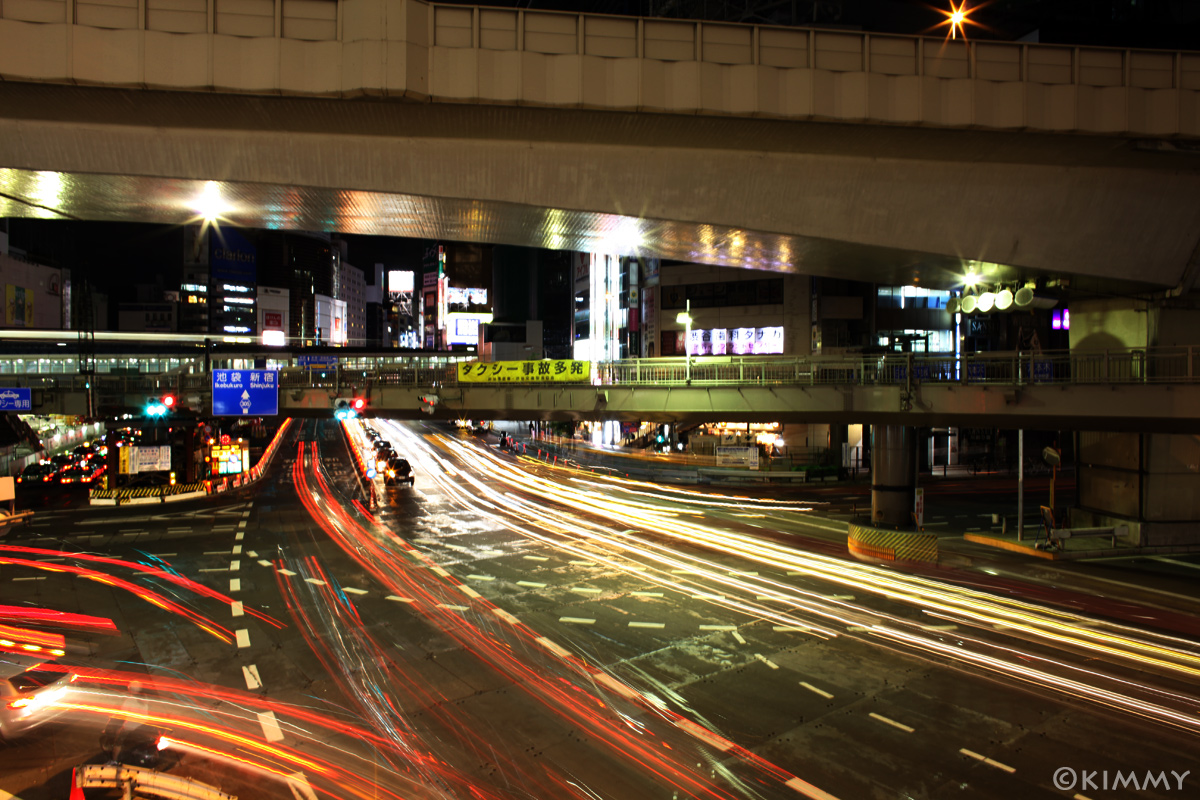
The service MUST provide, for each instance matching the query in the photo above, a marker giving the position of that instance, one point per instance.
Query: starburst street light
(958, 17)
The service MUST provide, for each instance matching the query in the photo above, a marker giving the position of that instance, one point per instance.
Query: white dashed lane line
(315, 581)
(243, 637)
(815, 690)
(647, 594)
(287, 572)
(236, 608)
(250, 673)
(892, 722)
(718, 627)
(766, 661)
(271, 730)
(647, 625)
(235, 584)
(400, 599)
(986, 760)
(577, 620)
(739, 638)
(535, 558)
(351, 590)
(531, 584)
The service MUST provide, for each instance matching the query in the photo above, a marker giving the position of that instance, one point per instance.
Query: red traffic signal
(168, 400)
(359, 403)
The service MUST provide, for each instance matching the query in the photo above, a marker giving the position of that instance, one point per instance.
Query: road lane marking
(240, 535)
(452, 607)
(986, 760)
(250, 673)
(704, 734)
(647, 624)
(577, 620)
(553, 648)
(300, 787)
(1177, 563)
(468, 591)
(243, 637)
(252, 553)
(791, 628)
(857, 628)
(531, 584)
(808, 790)
(215, 569)
(316, 581)
(400, 599)
(216, 552)
(271, 730)
(264, 563)
(236, 608)
(439, 571)
(839, 597)
(504, 615)
(37, 578)
(585, 590)
(164, 555)
(708, 596)
(351, 590)
(615, 685)
(582, 563)
(718, 627)
(739, 638)
(287, 572)
(939, 627)
(235, 584)
(815, 690)
(234, 566)
(237, 550)
(892, 722)
(766, 661)
(481, 577)
(647, 594)
(535, 558)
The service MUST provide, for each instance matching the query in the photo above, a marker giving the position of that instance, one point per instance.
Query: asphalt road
(509, 629)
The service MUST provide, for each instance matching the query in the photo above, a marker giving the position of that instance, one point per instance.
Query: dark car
(38, 473)
(398, 470)
(83, 473)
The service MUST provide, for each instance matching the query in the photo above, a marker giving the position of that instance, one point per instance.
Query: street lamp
(685, 318)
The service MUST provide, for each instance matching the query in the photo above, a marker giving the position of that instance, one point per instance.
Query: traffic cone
(76, 789)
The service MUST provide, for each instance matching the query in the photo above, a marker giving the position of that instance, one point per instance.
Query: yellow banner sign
(560, 371)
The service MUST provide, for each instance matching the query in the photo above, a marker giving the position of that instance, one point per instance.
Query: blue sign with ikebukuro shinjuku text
(15, 400)
(245, 393)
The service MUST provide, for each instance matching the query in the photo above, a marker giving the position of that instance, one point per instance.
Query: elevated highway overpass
(884, 158)
(1156, 390)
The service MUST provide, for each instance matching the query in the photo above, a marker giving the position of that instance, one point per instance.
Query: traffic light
(359, 404)
(345, 411)
(160, 407)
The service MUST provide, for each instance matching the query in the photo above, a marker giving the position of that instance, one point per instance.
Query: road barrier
(892, 545)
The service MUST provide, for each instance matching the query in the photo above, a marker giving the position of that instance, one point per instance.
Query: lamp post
(685, 319)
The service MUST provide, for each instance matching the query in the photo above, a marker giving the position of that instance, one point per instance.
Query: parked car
(398, 470)
(27, 695)
(38, 473)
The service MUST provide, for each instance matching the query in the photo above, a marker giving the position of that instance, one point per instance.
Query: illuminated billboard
(463, 328)
(736, 341)
(399, 281)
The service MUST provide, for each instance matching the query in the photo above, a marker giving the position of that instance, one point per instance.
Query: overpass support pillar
(893, 474)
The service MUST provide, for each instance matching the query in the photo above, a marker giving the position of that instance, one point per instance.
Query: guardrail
(1162, 365)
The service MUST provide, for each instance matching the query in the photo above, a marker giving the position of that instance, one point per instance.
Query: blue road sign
(245, 393)
(15, 400)
(316, 361)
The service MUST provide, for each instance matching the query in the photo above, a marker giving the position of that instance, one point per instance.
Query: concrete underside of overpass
(1138, 408)
(879, 203)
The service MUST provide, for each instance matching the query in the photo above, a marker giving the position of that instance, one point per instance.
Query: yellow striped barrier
(892, 545)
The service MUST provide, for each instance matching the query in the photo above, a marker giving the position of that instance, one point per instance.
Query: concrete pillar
(893, 474)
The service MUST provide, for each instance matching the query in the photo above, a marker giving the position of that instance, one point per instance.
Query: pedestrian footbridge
(1149, 390)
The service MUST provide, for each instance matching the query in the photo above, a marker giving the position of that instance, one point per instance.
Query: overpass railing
(1159, 365)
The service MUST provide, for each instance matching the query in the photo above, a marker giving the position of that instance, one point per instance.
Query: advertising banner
(234, 259)
(548, 371)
